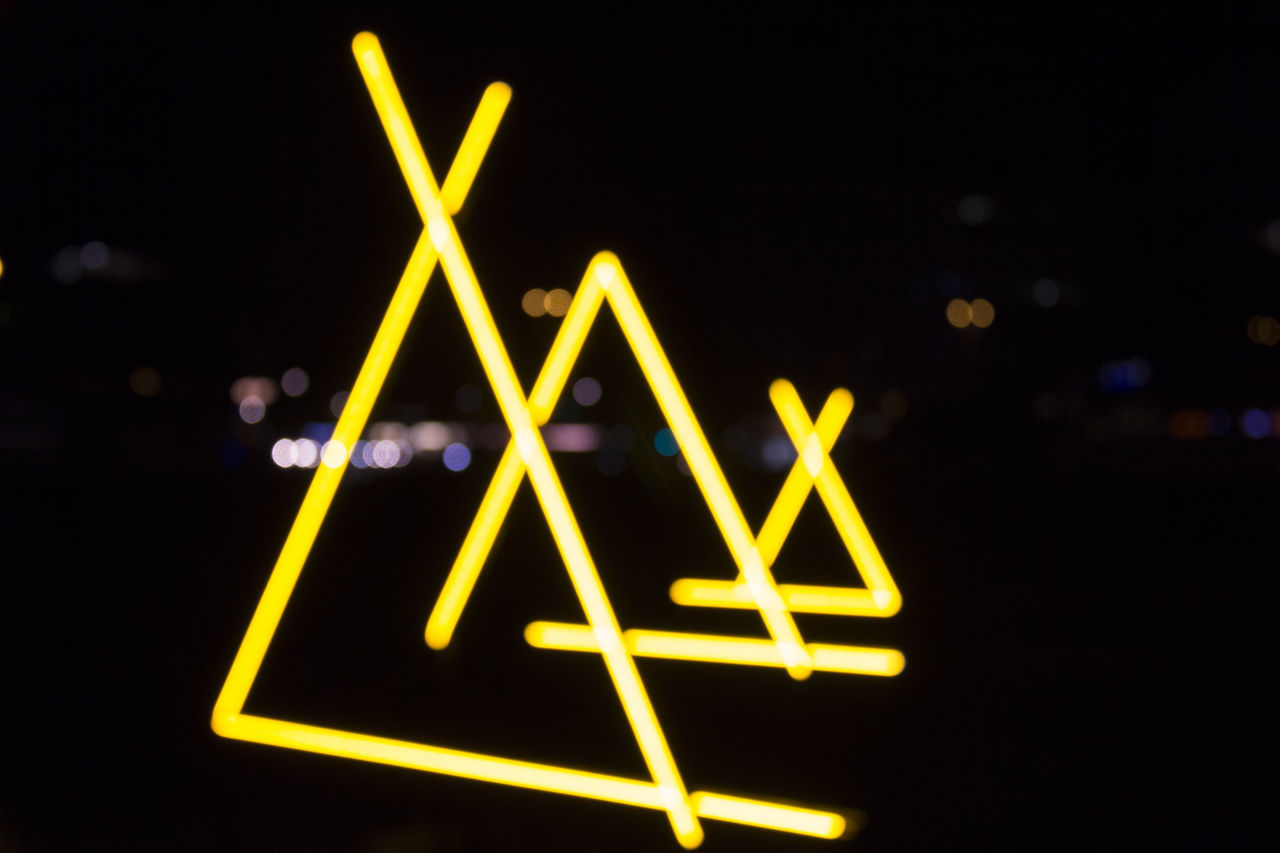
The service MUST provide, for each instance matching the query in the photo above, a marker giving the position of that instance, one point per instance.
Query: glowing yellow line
(526, 437)
(355, 413)
(812, 466)
(524, 774)
(753, 813)
(506, 479)
(799, 598)
(474, 146)
(710, 648)
(782, 515)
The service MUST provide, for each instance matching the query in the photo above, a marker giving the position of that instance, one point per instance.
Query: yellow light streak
(524, 774)
(813, 443)
(753, 813)
(710, 648)
(527, 453)
(799, 598)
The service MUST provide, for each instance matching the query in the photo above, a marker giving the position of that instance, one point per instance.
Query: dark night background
(1078, 502)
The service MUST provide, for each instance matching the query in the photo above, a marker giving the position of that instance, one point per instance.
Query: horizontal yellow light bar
(799, 598)
(710, 648)
(755, 813)
(523, 774)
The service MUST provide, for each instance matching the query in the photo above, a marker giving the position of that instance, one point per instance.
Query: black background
(1088, 600)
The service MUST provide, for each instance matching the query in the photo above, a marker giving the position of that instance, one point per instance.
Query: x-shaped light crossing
(813, 443)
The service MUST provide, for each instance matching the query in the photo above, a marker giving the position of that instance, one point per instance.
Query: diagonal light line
(782, 515)
(527, 438)
(351, 423)
(712, 648)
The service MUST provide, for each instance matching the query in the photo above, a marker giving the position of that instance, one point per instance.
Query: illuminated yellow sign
(526, 454)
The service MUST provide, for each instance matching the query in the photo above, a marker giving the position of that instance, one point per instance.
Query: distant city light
(386, 454)
(145, 381)
(252, 409)
(558, 301)
(534, 302)
(1124, 375)
(308, 453)
(337, 402)
(777, 452)
(429, 435)
(359, 451)
(94, 255)
(1263, 330)
(1046, 292)
(665, 442)
(317, 431)
(405, 452)
(586, 391)
(388, 430)
(982, 312)
(1255, 423)
(295, 382)
(975, 209)
(254, 386)
(959, 314)
(1, 268)
(456, 457)
(284, 453)
(572, 438)
(333, 454)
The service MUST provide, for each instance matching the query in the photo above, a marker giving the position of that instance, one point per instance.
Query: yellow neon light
(813, 467)
(525, 774)
(709, 648)
(526, 453)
